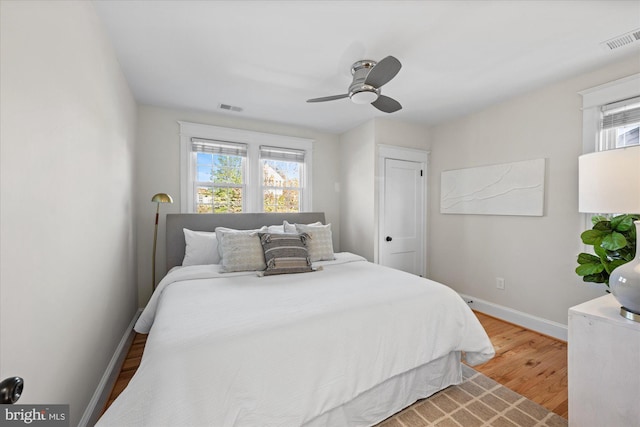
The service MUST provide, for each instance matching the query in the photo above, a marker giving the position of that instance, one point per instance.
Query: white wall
(67, 282)
(402, 134)
(357, 172)
(535, 255)
(158, 171)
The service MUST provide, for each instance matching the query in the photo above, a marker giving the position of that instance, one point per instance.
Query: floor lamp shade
(157, 198)
(609, 182)
(162, 198)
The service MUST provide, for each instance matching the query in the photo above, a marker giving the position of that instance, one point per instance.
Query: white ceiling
(268, 57)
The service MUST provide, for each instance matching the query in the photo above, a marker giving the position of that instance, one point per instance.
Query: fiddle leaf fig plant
(614, 243)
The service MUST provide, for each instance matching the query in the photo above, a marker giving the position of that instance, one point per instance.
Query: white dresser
(604, 366)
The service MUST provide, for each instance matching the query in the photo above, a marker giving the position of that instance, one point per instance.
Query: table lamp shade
(609, 181)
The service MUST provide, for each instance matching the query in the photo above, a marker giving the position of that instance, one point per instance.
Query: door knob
(388, 239)
(10, 390)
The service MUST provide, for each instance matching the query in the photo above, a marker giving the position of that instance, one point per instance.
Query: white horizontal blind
(619, 124)
(218, 147)
(277, 153)
(621, 113)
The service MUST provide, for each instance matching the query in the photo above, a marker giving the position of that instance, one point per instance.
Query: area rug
(478, 401)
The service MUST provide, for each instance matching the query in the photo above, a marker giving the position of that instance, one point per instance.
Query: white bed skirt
(395, 394)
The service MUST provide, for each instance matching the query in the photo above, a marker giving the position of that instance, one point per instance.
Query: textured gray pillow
(320, 243)
(240, 250)
(285, 253)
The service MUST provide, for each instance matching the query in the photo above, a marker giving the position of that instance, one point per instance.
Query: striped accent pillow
(285, 253)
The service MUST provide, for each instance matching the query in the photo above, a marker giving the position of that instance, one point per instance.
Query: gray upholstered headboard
(209, 222)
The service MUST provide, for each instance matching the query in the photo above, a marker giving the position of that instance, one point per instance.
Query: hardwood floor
(129, 367)
(529, 363)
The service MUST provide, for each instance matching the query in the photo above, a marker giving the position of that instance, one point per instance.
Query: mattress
(238, 349)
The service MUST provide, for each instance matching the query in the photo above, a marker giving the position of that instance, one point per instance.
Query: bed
(344, 343)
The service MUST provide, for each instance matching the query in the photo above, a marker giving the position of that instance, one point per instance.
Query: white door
(403, 220)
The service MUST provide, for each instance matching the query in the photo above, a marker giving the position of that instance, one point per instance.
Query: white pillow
(320, 243)
(240, 250)
(276, 229)
(291, 228)
(201, 248)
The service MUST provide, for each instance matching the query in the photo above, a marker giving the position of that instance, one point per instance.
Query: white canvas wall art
(505, 189)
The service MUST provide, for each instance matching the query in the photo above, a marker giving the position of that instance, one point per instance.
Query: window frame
(253, 199)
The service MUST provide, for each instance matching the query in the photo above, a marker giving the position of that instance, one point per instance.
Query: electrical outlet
(500, 283)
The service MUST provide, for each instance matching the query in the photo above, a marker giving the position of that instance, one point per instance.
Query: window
(219, 176)
(281, 179)
(225, 170)
(620, 124)
(611, 114)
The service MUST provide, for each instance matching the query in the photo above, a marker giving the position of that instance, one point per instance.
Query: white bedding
(242, 350)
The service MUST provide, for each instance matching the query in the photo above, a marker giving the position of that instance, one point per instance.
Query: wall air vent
(230, 108)
(622, 40)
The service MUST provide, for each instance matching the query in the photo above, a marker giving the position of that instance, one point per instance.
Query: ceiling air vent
(229, 108)
(622, 40)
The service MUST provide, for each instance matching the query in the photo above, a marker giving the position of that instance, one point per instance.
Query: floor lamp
(158, 198)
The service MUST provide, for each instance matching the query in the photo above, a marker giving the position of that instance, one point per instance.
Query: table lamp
(609, 182)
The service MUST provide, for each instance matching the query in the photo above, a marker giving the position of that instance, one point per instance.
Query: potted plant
(614, 244)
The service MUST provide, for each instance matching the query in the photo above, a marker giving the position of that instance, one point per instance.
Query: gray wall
(67, 282)
(535, 255)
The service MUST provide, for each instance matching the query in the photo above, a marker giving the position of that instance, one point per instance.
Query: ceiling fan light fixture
(364, 97)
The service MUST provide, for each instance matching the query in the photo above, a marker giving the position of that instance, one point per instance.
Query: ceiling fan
(368, 77)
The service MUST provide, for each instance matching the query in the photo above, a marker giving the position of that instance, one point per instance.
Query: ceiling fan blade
(383, 71)
(386, 104)
(328, 98)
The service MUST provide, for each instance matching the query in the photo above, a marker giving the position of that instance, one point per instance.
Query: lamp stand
(624, 282)
(155, 240)
(157, 199)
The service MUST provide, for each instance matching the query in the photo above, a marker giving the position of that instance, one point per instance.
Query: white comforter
(238, 349)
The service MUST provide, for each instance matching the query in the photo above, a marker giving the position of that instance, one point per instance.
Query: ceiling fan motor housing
(359, 92)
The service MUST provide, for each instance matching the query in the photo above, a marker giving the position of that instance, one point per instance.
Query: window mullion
(254, 175)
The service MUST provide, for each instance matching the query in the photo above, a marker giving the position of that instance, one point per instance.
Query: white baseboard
(538, 324)
(100, 396)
